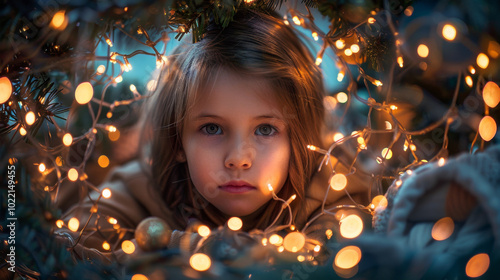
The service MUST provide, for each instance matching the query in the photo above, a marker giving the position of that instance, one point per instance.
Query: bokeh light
(351, 226)
(5, 89)
(348, 257)
(200, 262)
(84, 93)
(487, 128)
(235, 223)
(477, 265)
(443, 229)
(294, 241)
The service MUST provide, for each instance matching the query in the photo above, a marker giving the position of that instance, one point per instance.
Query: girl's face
(236, 142)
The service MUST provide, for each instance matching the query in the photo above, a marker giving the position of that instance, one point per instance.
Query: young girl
(229, 127)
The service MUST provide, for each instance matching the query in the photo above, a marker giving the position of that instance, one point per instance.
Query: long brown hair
(255, 44)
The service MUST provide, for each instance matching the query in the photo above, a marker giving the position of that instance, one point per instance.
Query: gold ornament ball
(152, 234)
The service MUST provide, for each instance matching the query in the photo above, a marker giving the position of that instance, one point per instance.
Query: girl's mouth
(237, 187)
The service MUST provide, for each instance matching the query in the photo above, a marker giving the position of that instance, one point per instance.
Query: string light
(413, 148)
(482, 60)
(105, 245)
(41, 167)
(59, 223)
(317, 248)
(477, 265)
(204, 231)
(294, 241)
(329, 233)
(472, 70)
(386, 153)
(84, 93)
(296, 20)
(468, 81)
(114, 135)
(318, 61)
(73, 224)
(315, 36)
(338, 182)
(5, 89)
(67, 139)
(340, 76)
(106, 193)
(487, 128)
(351, 226)
(30, 118)
(234, 223)
(59, 21)
(347, 257)
(449, 32)
(119, 79)
(408, 11)
(400, 61)
(200, 262)
(103, 161)
(101, 69)
(371, 20)
(355, 48)
(443, 229)
(491, 94)
(348, 52)
(128, 247)
(340, 44)
(73, 174)
(342, 97)
(441, 161)
(337, 136)
(108, 41)
(301, 258)
(423, 50)
(276, 240)
(139, 277)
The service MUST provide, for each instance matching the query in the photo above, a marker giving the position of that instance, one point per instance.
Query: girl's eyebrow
(204, 115)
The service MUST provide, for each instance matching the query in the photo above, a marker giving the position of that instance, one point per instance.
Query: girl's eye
(266, 130)
(212, 129)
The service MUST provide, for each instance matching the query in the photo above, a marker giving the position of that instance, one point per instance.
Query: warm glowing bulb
(348, 257)
(371, 20)
(108, 41)
(59, 223)
(73, 174)
(319, 60)
(84, 93)
(317, 248)
(386, 153)
(342, 97)
(30, 118)
(296, 20)
(204, 231)
(128, 247)
(472, 70)
(351, 226)
(294, 241)
(315, 36)
(329, 233)
(355, 48)
(348, 52)
(235, 223)
(337, 136)
(101, 69)
(393, 107)
(443, 229)
(67, 139)
(73, 224)
(103, 161)
(139, 277)
(59, 21)
(423, 50)
(301, 258)
(276, 239)
(340, 44)
(491, 94)
(413, 147)
(340, 76)
(487, 128)
(5, 89)
(449, 32)
(482, 60)
(400, 61)
(41, 167)
(269, 187)
(200, 262)
(379, 201)
(106, 193)
(338, 182)
(441, 162)
(468, 81)
(477, 265)
(118, 79)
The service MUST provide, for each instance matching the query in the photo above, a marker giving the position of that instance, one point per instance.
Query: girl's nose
(240, 156)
